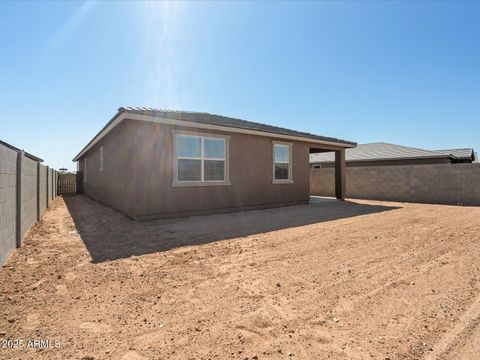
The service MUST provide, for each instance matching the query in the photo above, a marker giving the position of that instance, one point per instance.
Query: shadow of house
(109, 235)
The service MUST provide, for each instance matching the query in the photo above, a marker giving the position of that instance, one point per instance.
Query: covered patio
(340, 173)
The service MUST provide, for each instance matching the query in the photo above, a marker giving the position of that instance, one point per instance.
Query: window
(101, 158)
(282, 162)
(85, 170)
(200, 160)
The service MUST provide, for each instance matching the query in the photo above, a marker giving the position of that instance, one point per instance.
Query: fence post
(18, 220)
(38, 191)
(48, 169)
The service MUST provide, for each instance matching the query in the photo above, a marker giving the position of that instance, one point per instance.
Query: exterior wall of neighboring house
(424, 161)
(436, 183)
(138, 173)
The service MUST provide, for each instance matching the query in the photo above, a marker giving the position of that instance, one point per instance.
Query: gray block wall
(23, 188)
(51, 188)
(29, 194)
(8, 207)
(436, 184)
(43, 188)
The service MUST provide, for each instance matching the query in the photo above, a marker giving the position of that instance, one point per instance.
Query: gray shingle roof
(466, 153)
(378, 151)
(212, 119)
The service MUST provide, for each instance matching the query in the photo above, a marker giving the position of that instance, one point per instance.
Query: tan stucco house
(150, 163)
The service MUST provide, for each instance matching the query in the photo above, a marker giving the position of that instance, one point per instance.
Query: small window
(200, 159)
(85, 170)
(282, 163)
(101, 158)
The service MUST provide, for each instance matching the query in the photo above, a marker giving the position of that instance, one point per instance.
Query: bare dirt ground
(338, 280)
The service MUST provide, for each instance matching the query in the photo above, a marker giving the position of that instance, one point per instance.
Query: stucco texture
(138, 173)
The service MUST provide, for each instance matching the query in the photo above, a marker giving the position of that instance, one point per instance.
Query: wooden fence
(67, 184)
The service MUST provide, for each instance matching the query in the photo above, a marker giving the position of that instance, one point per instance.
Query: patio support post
(340, 186)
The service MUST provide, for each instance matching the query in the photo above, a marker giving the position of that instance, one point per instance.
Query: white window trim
(226, 170)
(85, 170)
(290, 163)
(101, 158)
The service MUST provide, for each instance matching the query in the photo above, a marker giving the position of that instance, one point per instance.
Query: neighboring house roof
(28, 155)
(462, 154)
(379, 151)
(207, 120)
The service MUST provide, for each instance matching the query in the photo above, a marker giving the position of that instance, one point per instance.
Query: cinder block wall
(51, 188)
(436, 184)
(43, 188)
(8, 179)
(16, 221)
(29, 194)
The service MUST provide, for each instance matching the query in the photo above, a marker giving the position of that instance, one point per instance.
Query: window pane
(214, 148)
(281, 171)
(189, 146)
(214, 170)
(282, 153)
(189, 170)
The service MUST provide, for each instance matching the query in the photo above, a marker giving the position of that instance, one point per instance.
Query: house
(466, 155)
(151, 163)
(384, 154)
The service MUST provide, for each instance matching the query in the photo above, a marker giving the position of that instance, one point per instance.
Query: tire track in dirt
(456, 338)
(419, 269)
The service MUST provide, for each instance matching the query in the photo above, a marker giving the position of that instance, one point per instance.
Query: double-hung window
(200, 160)
(282, 162)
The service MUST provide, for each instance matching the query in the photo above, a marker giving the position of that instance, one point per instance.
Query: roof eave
(149, 117)
(85, 148)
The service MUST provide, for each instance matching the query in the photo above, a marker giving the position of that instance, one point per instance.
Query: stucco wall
(439, 184)
(114, 185)
(138, 174)
(250, 169)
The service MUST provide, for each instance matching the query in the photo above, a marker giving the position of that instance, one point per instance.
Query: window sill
(282, 182)
(200, 183)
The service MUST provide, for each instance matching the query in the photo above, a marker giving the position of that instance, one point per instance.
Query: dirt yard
(334, 280)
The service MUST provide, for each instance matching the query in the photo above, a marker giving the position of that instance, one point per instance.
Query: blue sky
(400, 72)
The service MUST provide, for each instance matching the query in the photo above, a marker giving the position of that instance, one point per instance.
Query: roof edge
(439, 156)
(85, 148)
(125, 111)
(155, 113)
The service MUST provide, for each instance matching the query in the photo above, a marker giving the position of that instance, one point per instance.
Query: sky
(401, 72)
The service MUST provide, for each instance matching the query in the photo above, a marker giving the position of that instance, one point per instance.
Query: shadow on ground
(109, 235)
